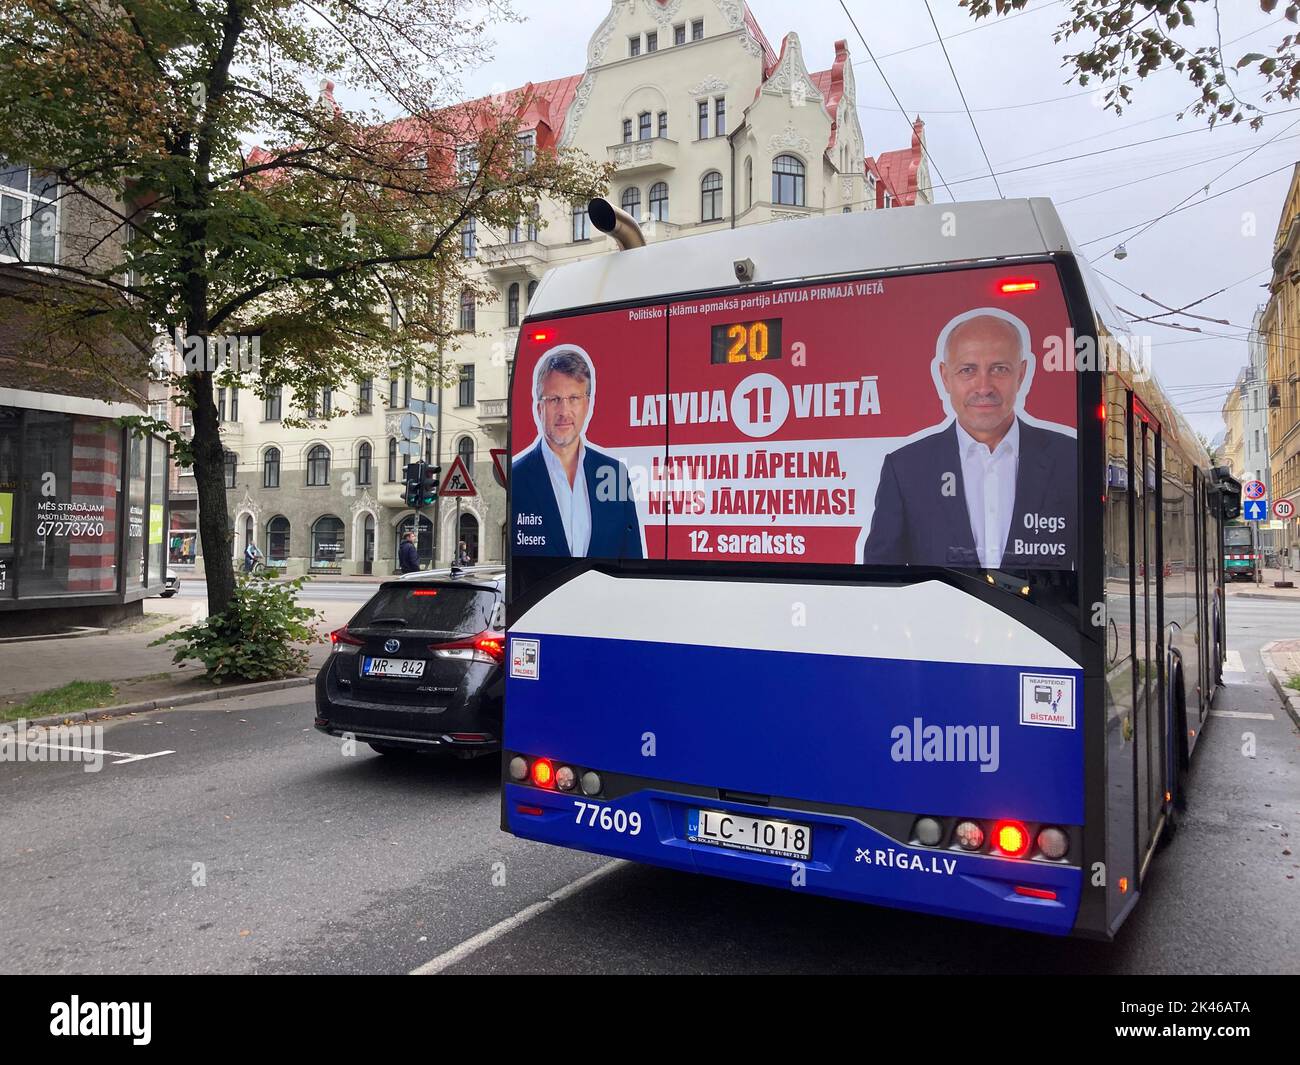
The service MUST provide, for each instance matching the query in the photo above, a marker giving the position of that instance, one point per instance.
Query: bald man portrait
(989, 489)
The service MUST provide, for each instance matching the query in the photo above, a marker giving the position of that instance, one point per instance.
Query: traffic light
(414, 472)
(429, 485)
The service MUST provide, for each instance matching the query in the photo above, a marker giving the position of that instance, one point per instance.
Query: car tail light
(344, 643)
(487, 646)
(543, 773)
(1035, 893)
(1011, 838)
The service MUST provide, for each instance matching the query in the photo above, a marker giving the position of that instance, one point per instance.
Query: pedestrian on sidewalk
(408, 557)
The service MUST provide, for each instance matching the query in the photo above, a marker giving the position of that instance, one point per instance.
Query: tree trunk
(210, 479)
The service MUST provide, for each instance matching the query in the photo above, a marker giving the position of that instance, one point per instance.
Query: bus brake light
(541, 335)
(1017, 285)
(543, 773)
(1011, 838)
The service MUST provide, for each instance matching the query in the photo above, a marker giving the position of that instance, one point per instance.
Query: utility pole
(437, 460)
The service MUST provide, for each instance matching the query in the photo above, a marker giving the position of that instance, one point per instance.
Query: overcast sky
(1011, 74)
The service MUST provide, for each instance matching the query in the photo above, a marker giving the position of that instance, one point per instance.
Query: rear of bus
(1239, 555)
(753, 628)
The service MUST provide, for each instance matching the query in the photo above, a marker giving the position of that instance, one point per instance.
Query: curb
(178, 700)
(1289, 696)
(74, 634)
(1264, 595)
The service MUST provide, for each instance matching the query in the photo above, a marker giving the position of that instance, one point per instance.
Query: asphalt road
(317, 861)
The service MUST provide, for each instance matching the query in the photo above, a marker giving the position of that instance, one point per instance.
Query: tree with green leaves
(1127, 40)
(249, 212)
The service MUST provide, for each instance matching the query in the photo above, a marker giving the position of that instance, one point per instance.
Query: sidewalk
(1282, 662)
(139, 672)
(1264, 589)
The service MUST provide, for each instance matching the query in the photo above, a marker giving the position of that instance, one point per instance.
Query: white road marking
(501, 928)
(122, 756)
(1242, 713)
(1232, 663)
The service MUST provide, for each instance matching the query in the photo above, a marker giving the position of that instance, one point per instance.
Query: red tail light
(1017, 285)
(1011, 839)
(344, 643)
(486, 646)
(543, 773)
(1035, 893)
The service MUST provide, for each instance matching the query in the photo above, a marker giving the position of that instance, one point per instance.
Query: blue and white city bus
(858, 555)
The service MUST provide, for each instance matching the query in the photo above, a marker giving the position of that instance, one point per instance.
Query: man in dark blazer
(567, 498)
(989, 490)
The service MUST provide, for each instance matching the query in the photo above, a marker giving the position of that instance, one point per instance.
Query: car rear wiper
(387, 621)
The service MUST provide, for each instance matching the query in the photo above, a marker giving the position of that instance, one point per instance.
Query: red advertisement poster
(920, 420)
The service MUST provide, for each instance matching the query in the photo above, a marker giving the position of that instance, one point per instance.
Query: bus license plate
(721, 829)
(392, 667)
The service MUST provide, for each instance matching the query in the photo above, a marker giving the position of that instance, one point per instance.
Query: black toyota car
(419, 668)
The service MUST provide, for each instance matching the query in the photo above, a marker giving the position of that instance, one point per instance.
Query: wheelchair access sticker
(1046, 700)
(524, 655)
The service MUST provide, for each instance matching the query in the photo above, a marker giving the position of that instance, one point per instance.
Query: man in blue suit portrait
(567, 497)
(990, 489)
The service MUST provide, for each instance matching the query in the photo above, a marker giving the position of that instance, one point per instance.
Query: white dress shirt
(990, 481)
(573, 501)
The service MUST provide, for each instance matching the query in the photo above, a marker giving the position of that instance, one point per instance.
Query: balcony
(637, 157)
(492, 412)
(522, 256)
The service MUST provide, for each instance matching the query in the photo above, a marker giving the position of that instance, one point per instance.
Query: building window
(271, 468)
(634, 45)
(889, 198)
(532, 287)
(465, 390)
(627, 131)
(465, 449)
(364, 453)
(393, 374)
(326, 401)
(467, 160)
(232, 468)
(787, 180)
(679, 34)
(527, 147)
(533, 220)
(515, 233)
(651, 42)
(234, 404)
(581, 223)
(277, 540)
(659, 201)
(318, 465)
(697, 30)
(311, 403)
(271, 405)
(467, 312)
(702, 113)
(630, 201)
(365, 395)
(711, 197)
(29, 215)
(643, 126)
(749, 182)
(327, 541)
(221, 404)
(663, 124)
(512, 305)
(392, 458)
(720, 116)
(468, 239)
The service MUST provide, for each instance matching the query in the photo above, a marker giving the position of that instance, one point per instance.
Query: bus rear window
(919, 420)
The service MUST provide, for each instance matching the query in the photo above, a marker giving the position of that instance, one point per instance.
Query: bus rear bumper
(849, 860)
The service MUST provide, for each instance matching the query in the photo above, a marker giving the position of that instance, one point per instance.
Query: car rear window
(438, 608)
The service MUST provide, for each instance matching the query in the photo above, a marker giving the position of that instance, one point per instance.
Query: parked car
(419, 668)
(171, 585)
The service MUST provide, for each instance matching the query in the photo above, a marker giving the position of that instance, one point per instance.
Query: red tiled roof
(899, 168)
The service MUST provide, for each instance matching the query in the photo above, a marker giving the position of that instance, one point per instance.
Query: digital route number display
(746, 342)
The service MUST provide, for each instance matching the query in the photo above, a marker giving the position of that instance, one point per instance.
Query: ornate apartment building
(707, 126)
(1280, 327)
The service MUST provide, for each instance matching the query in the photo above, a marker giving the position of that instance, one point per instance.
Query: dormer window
(527, 147)
(634, 46)
(651, 42)
(467, 160)
(697, 30)
(679, 34)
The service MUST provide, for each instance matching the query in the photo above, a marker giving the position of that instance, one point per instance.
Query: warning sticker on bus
(925, 420)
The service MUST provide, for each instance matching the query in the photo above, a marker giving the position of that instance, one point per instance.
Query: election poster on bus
(923, 420)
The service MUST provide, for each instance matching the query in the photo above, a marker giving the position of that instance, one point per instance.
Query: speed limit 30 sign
(1283, 508)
